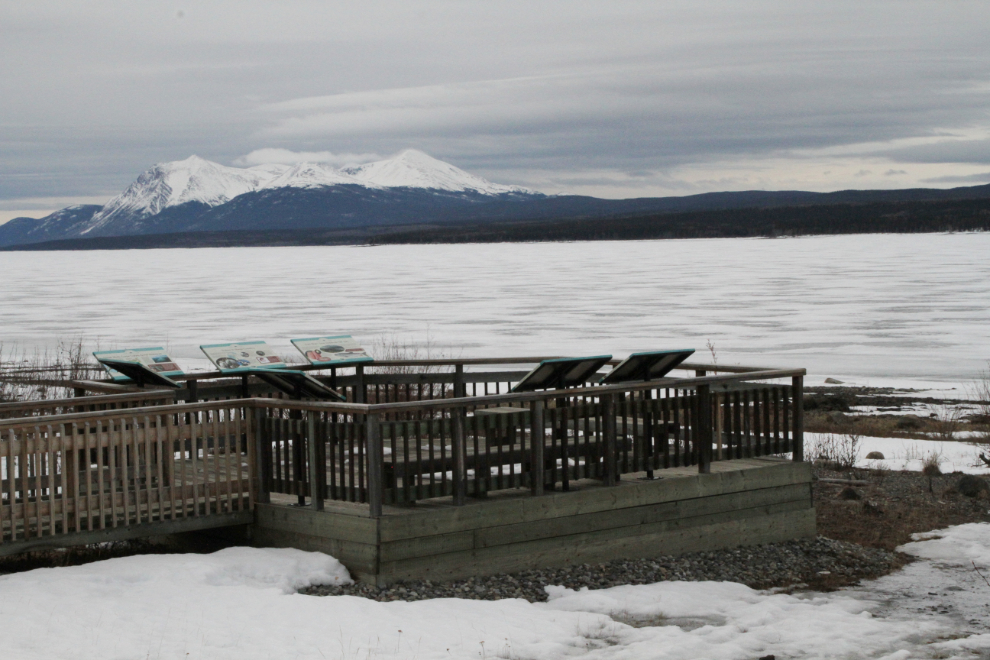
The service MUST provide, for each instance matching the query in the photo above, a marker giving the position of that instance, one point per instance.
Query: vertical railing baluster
(458, 448)
(610, 465)
(797, 401)
(705, 428)
(375, 460)
(537, 443)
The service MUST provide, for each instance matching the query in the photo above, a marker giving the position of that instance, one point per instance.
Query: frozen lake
(873, 309)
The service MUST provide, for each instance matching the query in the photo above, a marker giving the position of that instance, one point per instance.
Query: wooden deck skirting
(422, 447)
(741, 502)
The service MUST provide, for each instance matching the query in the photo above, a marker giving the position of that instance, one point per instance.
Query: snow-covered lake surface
(870, 309)
(239, 604)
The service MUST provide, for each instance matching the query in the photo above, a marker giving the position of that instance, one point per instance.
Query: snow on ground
(240, 604)
(909, 455)
(947, 587)
(879, 310)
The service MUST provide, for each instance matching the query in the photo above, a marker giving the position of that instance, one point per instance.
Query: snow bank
(962, 545)
(239, 604)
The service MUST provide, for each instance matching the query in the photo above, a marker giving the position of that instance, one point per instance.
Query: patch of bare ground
(883, 508)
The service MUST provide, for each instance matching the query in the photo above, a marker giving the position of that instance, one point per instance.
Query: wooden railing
(98, 471)
(403, 451)
(70, 468)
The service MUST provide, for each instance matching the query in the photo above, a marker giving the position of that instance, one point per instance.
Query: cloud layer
(617, 99)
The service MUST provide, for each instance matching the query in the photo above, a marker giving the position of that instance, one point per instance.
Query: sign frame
(155, 359)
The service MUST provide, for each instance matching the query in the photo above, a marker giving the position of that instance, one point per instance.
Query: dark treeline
(881, 217)
(896, 217)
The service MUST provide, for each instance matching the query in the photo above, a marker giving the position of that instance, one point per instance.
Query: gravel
(820, 562)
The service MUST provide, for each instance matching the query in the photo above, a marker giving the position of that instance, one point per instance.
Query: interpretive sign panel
(562, 372)
(332, 351)
(242, 355)
(647, 366)
(155, 359)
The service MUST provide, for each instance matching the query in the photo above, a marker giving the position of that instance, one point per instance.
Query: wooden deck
(433, 475)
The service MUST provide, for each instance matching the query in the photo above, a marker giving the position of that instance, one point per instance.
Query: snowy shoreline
(241, 603)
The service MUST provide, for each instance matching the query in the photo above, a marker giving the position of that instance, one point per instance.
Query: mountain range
(199, 198)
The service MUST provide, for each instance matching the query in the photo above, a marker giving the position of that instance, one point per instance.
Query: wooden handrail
(87, 401)
(440, 362)
(521, 397)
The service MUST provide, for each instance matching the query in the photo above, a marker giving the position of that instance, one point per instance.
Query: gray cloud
(965, 178)
(949, 151)
(617, 98)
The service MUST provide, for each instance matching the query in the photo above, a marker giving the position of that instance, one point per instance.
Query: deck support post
(704, 394)
(317, 463)
(797, 401)
(457, 419)
(608, 427)
(261, 465)
(376, 468)
(538, 440)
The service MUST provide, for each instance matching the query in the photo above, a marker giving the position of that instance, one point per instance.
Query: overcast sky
(614, 99)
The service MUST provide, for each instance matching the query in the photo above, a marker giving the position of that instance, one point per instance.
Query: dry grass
(41, 374)
(841, 451)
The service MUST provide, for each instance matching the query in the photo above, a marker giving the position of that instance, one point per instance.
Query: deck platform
(740, 502)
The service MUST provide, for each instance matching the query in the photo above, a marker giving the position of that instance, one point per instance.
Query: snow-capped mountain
(179, 182)
(194, 194)
(414, 169)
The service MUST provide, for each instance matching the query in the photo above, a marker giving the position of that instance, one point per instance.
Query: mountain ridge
(411, 188)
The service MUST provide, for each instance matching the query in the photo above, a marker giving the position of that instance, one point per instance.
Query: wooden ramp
(85, 478)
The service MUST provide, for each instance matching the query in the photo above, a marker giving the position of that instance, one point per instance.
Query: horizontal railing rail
(439, 368)
(84, 404)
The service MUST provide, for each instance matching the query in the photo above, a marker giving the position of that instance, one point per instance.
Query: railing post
(704, 394)
(458, 381)
(609, 432)
(797, 401)
(317, 464)
(457, 420)
(261, 466)
(538, 440)
(359, 384)
(376, 466)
